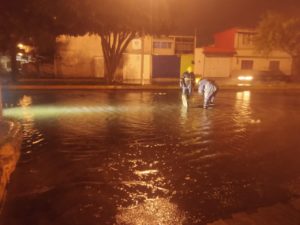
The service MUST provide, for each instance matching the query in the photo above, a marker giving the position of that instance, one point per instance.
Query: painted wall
(185, 62)
(215, 66)
(212, 61)
(133, 72)
(79, 57)
(164, 51)
(199, 62)
(224, 42)
(262, 63)
(82, 57)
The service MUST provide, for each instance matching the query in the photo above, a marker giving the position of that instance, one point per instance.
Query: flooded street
(141, 158)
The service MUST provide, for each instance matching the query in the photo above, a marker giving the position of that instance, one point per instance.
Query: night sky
(217, 15)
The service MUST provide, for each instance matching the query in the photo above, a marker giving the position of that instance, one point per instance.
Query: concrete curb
(283, 87)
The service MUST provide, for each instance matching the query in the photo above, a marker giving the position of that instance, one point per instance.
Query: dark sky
(216, 15)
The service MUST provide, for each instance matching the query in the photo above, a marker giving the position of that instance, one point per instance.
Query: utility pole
(142, 58)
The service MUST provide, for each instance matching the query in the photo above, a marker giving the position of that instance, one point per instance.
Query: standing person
(187, 83)
(209, 90)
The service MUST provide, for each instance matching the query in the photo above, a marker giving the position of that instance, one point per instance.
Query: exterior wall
(134, 72)
(79, 57)
(225, 39)
(245, 50)
(217, 66)
(199, 62)
(185, 62)
(82, 57)
(137, 61)
(262, 63)
(213, 65)
(225, 57)
(168, 50)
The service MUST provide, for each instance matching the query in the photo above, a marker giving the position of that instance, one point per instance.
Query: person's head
(189, 69)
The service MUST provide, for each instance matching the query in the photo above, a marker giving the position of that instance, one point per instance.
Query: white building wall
(199, 61)
(164, 51)
(79, 56)
(245, 50)
(134, 71)
(217, 66)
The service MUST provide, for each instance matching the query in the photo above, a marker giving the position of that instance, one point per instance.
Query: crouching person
(208, 89)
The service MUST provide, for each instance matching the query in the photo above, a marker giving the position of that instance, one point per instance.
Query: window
(247, 65)
(162, 44)
(184, 45)
(274, 65)
(246, 39)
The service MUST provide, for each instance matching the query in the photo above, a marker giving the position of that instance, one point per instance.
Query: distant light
(245, 78)
(244, 85)
(20, 54)
(20, 46)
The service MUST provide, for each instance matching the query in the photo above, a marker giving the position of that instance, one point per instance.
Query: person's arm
(182, 81)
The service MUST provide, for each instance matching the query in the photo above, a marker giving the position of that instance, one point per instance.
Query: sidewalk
(96, 84)
(142, 87)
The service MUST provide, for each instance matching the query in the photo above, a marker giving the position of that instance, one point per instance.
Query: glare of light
(151, 211)
(197, 80)
(49, 111)
(145, 172)
(25, 101)
(244, 95)
(20, 46)
(245, 78)
(244, 85)
(26, 48)
(20, 54)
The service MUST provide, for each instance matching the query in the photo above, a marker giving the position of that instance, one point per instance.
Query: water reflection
(158, 211)
(138, 158)
(32, 136)
(242, 114)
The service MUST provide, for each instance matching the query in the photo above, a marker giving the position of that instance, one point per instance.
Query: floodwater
(141, 158)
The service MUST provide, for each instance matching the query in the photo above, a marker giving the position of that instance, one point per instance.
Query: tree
(25, 21)
(281, 32)
(117, 22)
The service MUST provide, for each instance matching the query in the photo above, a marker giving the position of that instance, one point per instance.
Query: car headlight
(245, 78)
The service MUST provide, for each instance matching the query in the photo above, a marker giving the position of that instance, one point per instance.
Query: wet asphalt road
(91, 158)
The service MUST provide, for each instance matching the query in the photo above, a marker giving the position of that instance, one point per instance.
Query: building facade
(146, 60)
(233, 52)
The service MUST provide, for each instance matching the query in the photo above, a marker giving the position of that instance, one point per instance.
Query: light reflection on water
(131, 158)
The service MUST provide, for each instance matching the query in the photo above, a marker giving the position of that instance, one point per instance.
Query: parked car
(253, 77)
